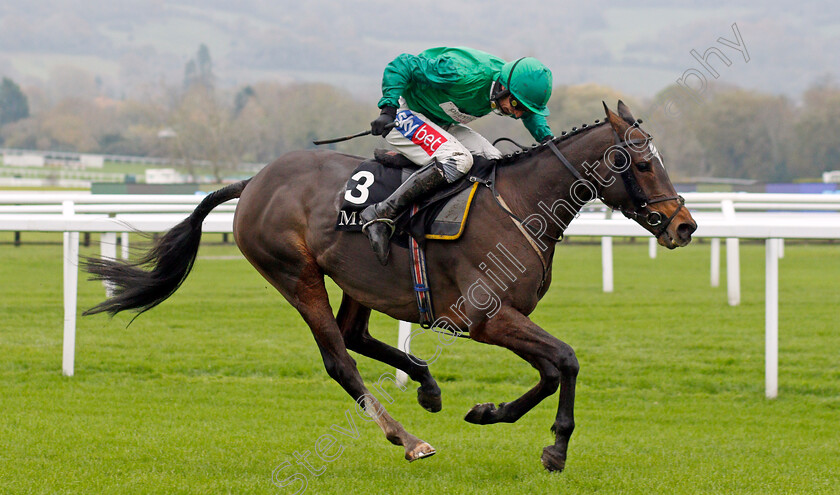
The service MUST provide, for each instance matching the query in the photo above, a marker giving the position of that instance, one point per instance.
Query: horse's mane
(515, 157)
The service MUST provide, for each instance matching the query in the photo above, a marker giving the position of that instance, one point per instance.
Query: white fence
(748, 207)
(791, 217)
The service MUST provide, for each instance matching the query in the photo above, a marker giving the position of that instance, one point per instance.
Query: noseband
(652, 217)
(641, 203)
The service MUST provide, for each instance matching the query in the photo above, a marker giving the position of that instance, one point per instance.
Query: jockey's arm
(537, 126)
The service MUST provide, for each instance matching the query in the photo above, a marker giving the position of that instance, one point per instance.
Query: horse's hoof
(481, 414)
(553, 459)
(429, 402)
(419, 452)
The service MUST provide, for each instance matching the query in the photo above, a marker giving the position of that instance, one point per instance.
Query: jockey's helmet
(529, 82)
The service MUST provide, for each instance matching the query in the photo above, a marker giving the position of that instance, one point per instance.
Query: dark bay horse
(284, 225)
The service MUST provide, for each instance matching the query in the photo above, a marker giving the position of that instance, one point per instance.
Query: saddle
(442, 216)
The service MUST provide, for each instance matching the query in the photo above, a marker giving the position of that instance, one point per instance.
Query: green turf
(220, 385)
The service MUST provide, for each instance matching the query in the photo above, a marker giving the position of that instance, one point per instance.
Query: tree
(202, 128)
(205, 67)
(730, 132)
(241, 99)
(745, 135)
(816, 147)
(280, 118)
(199, 70)
(671, 119)
(13, 103)
(190, 74)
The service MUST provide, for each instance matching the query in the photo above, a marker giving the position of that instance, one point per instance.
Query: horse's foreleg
(353, 322)
(311, 300)
(557, 365)
(554, 456)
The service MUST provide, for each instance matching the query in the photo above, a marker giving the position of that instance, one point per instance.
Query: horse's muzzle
(684, 231)
(678, 235)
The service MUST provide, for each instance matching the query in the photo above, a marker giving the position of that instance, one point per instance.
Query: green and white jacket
(449, 85)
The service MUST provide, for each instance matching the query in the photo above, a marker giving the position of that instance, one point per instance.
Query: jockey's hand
(379, 126)
(547, 139)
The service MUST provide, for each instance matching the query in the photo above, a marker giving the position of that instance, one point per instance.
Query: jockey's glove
(379, 127)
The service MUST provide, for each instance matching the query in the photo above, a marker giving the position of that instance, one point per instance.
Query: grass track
(218, 386)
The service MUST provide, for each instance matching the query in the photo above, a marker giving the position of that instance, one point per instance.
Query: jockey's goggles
(518, 105)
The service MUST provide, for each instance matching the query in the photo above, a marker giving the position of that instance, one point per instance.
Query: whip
(347, 138)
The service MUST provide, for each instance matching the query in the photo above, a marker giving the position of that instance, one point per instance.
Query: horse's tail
(144, 284)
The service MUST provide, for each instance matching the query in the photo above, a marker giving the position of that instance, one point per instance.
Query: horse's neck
(539, 187)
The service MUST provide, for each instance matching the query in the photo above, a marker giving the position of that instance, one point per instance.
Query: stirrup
(386, 221)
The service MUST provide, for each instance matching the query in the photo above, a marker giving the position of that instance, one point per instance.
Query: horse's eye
(643, 166)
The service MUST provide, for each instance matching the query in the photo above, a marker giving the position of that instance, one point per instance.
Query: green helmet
(529, 81)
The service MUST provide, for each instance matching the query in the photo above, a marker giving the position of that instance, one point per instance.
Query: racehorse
(284, 225)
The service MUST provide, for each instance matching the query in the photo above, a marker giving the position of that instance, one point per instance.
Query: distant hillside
(639, 47)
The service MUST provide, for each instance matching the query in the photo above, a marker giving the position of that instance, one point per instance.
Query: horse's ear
(624, 113)
(614, 120)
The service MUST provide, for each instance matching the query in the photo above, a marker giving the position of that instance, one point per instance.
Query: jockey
(430, 97)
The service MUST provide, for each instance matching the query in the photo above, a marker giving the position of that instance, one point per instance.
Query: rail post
(607, 259)
(733, 259)
(71, 287)
(404, 345)
(771, 319)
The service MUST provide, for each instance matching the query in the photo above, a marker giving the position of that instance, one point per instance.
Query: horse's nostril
(684, 230)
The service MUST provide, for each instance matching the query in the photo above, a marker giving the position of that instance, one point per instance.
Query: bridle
(653, 217)
(641, 203)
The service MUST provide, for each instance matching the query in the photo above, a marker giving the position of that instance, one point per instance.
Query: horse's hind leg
(353, 322)
(309, 296)
(557, 365)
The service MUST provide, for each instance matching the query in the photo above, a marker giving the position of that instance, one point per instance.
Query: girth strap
(420, 276)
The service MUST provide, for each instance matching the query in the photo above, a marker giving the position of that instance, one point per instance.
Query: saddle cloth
(442, 216)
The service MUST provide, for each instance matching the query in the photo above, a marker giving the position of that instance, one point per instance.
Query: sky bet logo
(419, 132)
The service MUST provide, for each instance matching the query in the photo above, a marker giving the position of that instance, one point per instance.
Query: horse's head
(637, 184)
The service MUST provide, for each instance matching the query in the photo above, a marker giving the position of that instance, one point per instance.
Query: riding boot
(379, 218)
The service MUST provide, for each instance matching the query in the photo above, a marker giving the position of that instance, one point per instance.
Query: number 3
(365, 180)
